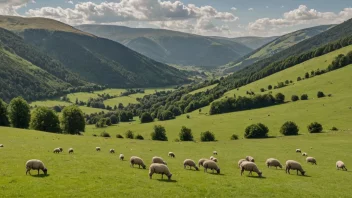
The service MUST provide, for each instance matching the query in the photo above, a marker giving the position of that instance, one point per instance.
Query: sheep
(97, 148)
(215, 153)
(35, 164)
(190, 163)
(311, 160)
(112, 151)
(57, 150)
(250, 158)
(1, 145)
(121, 157)
(298, 151)
(240, 162)
(171, 154)
(291, 164)
(61, 149)
(70, 150)
(273, 162)
(201, 161)
(213, 158)
(251, 167)
(340, 164)
(304, 154)
(159, 169)
(211, 165)
(137, 160)
(158, 160)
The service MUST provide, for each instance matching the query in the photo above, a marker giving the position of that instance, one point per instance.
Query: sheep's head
(169, 176)
(165, 163)
(196, 168)
(45, 171)
(260, 174)
(143, 166)
(280, 165)
(303, 172)
(218, 171)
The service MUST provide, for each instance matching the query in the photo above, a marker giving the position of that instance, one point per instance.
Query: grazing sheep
(340, 164)
(215, 153)
(190, 163)
(273, 162)
(304, 154)
(57, 150)
(211, 165)
(121, 157)
(311, 160)
(61, 149)
(201, 161)
(250, 158)
(112, 151)
(251, 167)
(137, 160)
(291, 164)
(159, 169)
(213, 158)
(97, 148)
(298, 151)
(70, 150)
(1, 145)
(171, 154)
(35, 164)
(158, 160)
(240, 162)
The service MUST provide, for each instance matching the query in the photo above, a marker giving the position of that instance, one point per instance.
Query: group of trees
(131, 91)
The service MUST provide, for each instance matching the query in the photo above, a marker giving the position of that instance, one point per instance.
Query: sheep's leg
(297, 172)
(242, 171)
(28, 171)
(38, 171)
(162, 176)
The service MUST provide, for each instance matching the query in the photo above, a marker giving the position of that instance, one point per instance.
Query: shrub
(146, 118)
(304, 97)
(176, 140)
(94, 135)
(119, 136)
(280, 98)
(186, 134)
(256, 131)
(101, 123)
(159, 133)
(108, 121)
(320, 94)
(294, 98)
(114, 119)
(299, 78)
(262, 89)
(270, 87)
(289, 128)
(287, 82)
(306, 75)
(207, 136)
(188, 116)
(234, 137)
(123, 116)
(104, 134)
(139, 137)
(45, 119)
(129, 134)
(334, 129)
(315, 128)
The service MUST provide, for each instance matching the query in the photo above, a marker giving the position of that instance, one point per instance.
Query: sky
(228, 18)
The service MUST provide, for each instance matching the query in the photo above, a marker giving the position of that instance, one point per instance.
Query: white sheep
(158, 160)
(70, 150)
(340, 164)
(190, 163)
(1, 145)
(273, 162)
(159, 169)
(215, 153)
(251, 167)
(304, 154)
(240, 162)
(171, 154)
(61, 149)
(311, 160)
(97, 148)
(201, 161)
(137, 160)
(291, 164)
(298, 151)
(213, 158)
(211, 165)
(112, 151)
(35, 164)
(250, 158)
(121, 157)
(56, 150)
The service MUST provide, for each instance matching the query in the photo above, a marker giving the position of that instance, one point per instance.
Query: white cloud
(250, 9)
(70, 2)
(266, 6)
(233, 9)
(10, 7)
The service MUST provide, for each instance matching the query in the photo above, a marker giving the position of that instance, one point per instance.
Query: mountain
(254, 42)
(172, 47)
(278, 45)
(94, 59)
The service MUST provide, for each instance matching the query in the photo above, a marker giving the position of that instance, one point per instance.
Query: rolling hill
(172, 47)
(254, 42)
(94, 59)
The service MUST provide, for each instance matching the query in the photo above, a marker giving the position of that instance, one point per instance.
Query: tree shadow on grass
(166, 180)
(41, 175)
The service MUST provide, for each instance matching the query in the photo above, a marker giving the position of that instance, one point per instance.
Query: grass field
(203, 89)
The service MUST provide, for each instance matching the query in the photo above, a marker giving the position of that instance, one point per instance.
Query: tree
(4, 120)
(304, 97)
(186, 134)
(270, 87)
(123, 116)
(306, 75)
(45, 119)
(287, 82)
(256, 131)
(101, 123)
(108, 121)
(146, 118)
(19, 113)
(72, 120)
(130, 115)
(262, 89)
(315, 127)
(207, 136)
(114, 119)
(159, 133)
(294, 98)
(280, 98)
(129, 134)
(120, 106)
(320, 94)
(289, 128)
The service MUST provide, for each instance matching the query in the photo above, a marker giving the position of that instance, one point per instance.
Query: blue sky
(231, 18)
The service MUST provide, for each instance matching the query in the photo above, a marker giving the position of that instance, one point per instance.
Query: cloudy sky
(230, 18)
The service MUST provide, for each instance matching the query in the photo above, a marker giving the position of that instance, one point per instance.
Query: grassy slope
(203, 89)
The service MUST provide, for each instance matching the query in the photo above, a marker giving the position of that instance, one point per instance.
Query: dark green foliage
(146, 118)
(270, 87)
(294, 98)
(334, 129)
(159, 133)
(57, 109)
(119, 136)
(4, 120)
(114, 119)
(262, 89)
(207, 136)
(186, 134)
(129, 134)
(72, 120)
(101, 123)
(289, 128)
(320, 94)
(139, 137)
(256, 131)
(165, 115)
(234, 137)
(280, 98)
(130, 115)
(176, 111)
(123, 116)
(299, 78)
(341, 61)
(287, 82)
(315, 127)
(104, 134)
(108, 121)
(45, 119)
(19, 113)
(306, 76)
(304, 97)
(188, 116)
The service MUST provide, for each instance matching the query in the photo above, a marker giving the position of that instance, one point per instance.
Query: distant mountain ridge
(254, 42)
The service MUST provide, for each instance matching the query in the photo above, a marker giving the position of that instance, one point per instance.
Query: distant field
(50, 103)
(203, 89)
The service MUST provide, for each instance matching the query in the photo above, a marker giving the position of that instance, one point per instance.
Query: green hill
(172, 47)
(254, 42)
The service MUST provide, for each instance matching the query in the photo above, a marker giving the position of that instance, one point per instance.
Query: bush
(304, 97)
(105, 134)
(256, 131)
(114, 119)
(108, 121)
(299, 78)
(129, 134)
(119, 136)
(188, 117)
(45, 119)
(186, 134)
(207, 136)
(101, 123)
(320, 94)
(262, 89)
(139, 137)
(146, 118)
(123, 117)
(72, 120)
(234, 137)
(176, 140)
(159, 133)
(315, 128)
(19, 113)
(294, 98)
(280, 98)
(289, 128)
(270, 87)
(334, 129)
(94, 135)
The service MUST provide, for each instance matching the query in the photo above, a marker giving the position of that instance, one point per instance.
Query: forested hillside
(254, 42)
